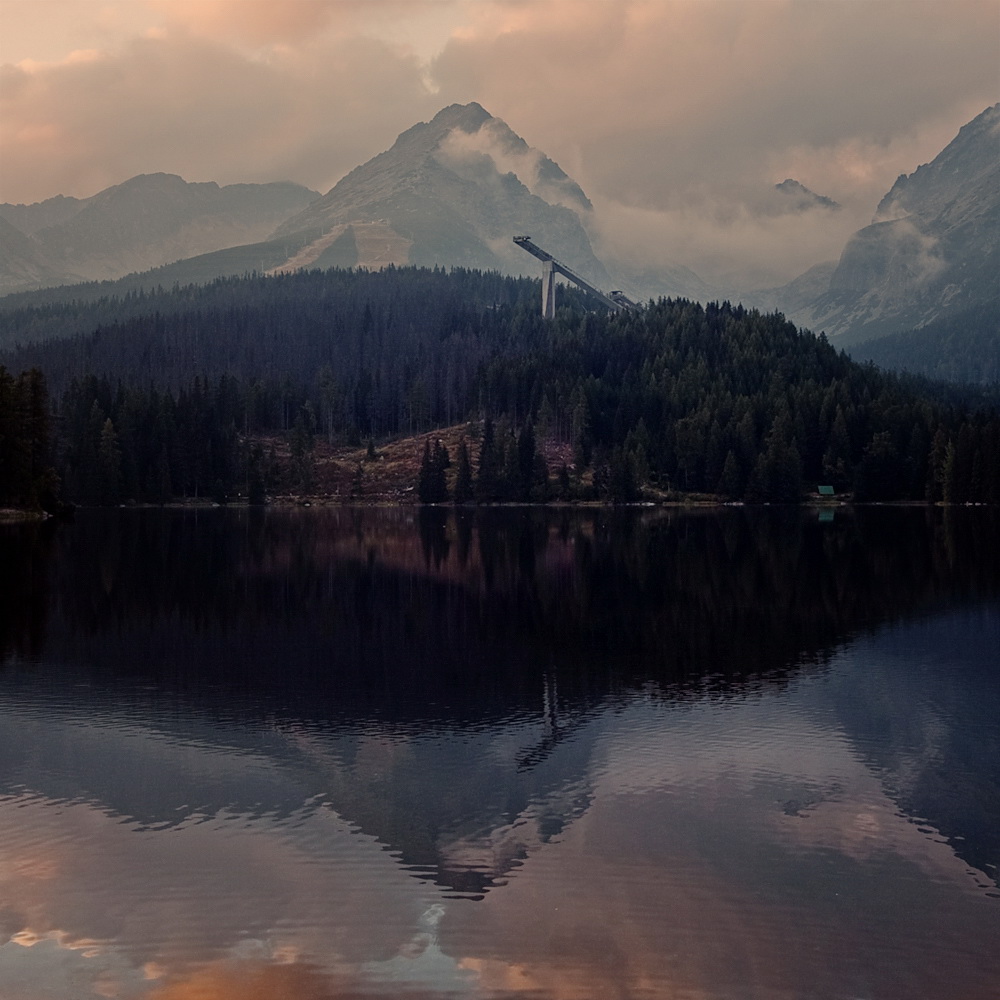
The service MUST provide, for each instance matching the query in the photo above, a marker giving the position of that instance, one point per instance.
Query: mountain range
(454, 190)
(147, 221)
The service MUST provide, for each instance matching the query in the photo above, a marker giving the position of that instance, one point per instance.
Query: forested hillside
(27, 478)
(713, 399)
(964, 347)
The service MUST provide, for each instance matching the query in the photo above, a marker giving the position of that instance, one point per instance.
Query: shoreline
(16, 514)
(287, 502)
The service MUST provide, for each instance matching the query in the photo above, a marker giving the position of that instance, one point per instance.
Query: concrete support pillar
(548, 290)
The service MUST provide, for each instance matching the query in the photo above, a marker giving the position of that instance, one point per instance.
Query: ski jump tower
(551, 267)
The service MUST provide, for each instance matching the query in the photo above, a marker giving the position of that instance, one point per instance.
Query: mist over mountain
(449, 192)
(453, 191)
(932, 249)
(147, 221)
(797, 295)
(798, 198)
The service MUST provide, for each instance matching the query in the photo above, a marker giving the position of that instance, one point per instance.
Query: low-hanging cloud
(677, 118)
(495, 147)
(729, 245)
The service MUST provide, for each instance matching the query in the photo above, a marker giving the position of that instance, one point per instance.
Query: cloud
(255, 21)
(466, 149)
(187, 105)
(494, 147)
(254, 981)
(266, 23)
(725, 242)
(680, 116)
(672, 113)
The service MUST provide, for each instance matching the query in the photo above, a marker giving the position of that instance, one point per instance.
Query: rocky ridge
(933, 247)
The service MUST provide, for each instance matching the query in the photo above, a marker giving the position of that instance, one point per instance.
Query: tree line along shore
(418, 385)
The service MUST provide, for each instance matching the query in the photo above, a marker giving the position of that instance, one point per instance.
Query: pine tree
(432, 487)
(490, 465)
(463, 479)
(582, 442)
(562, 477)
(525, 462)
(936, 470)
(731, 481)
(109, 465)
(622, 483)
(837, 457)
(881, 473)
(303, 465)
(949, 486)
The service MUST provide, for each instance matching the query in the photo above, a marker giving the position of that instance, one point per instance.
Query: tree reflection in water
(507, 705)
(472, 608)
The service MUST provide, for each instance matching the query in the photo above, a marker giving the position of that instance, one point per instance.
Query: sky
(677, 117)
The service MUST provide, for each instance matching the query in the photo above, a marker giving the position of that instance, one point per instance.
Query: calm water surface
(317, 754)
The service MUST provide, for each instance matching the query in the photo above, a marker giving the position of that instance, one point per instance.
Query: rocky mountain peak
(964, 166)
(424, 137)
(468, 117)
(802, 198)
(933, 249)
(452, 191)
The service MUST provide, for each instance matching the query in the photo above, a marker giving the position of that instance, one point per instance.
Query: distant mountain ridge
(22, 261)
(147, 221)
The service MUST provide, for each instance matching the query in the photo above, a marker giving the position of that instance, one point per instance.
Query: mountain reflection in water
(355, 752)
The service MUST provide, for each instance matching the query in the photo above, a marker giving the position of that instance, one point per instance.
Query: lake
(305, 754)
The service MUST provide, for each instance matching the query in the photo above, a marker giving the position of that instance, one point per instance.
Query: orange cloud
(255, 21)
(681, 111)
(191, 106)
(264, 22)
(253, 981)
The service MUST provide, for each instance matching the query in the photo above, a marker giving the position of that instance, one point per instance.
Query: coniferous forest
(174, 393)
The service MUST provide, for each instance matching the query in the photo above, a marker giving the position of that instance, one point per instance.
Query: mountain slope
(705, 399)
(797, 295)
(22, 259)
(145, 222)
(450, 192)
(959, 347)
(933, 247)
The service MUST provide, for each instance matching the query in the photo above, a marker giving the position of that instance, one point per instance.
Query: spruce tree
(432, 487)
(463, 478)
(109, 465)
(525, 462)
(490, 464)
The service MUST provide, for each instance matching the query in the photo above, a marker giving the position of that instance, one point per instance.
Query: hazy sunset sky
(676, 116)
